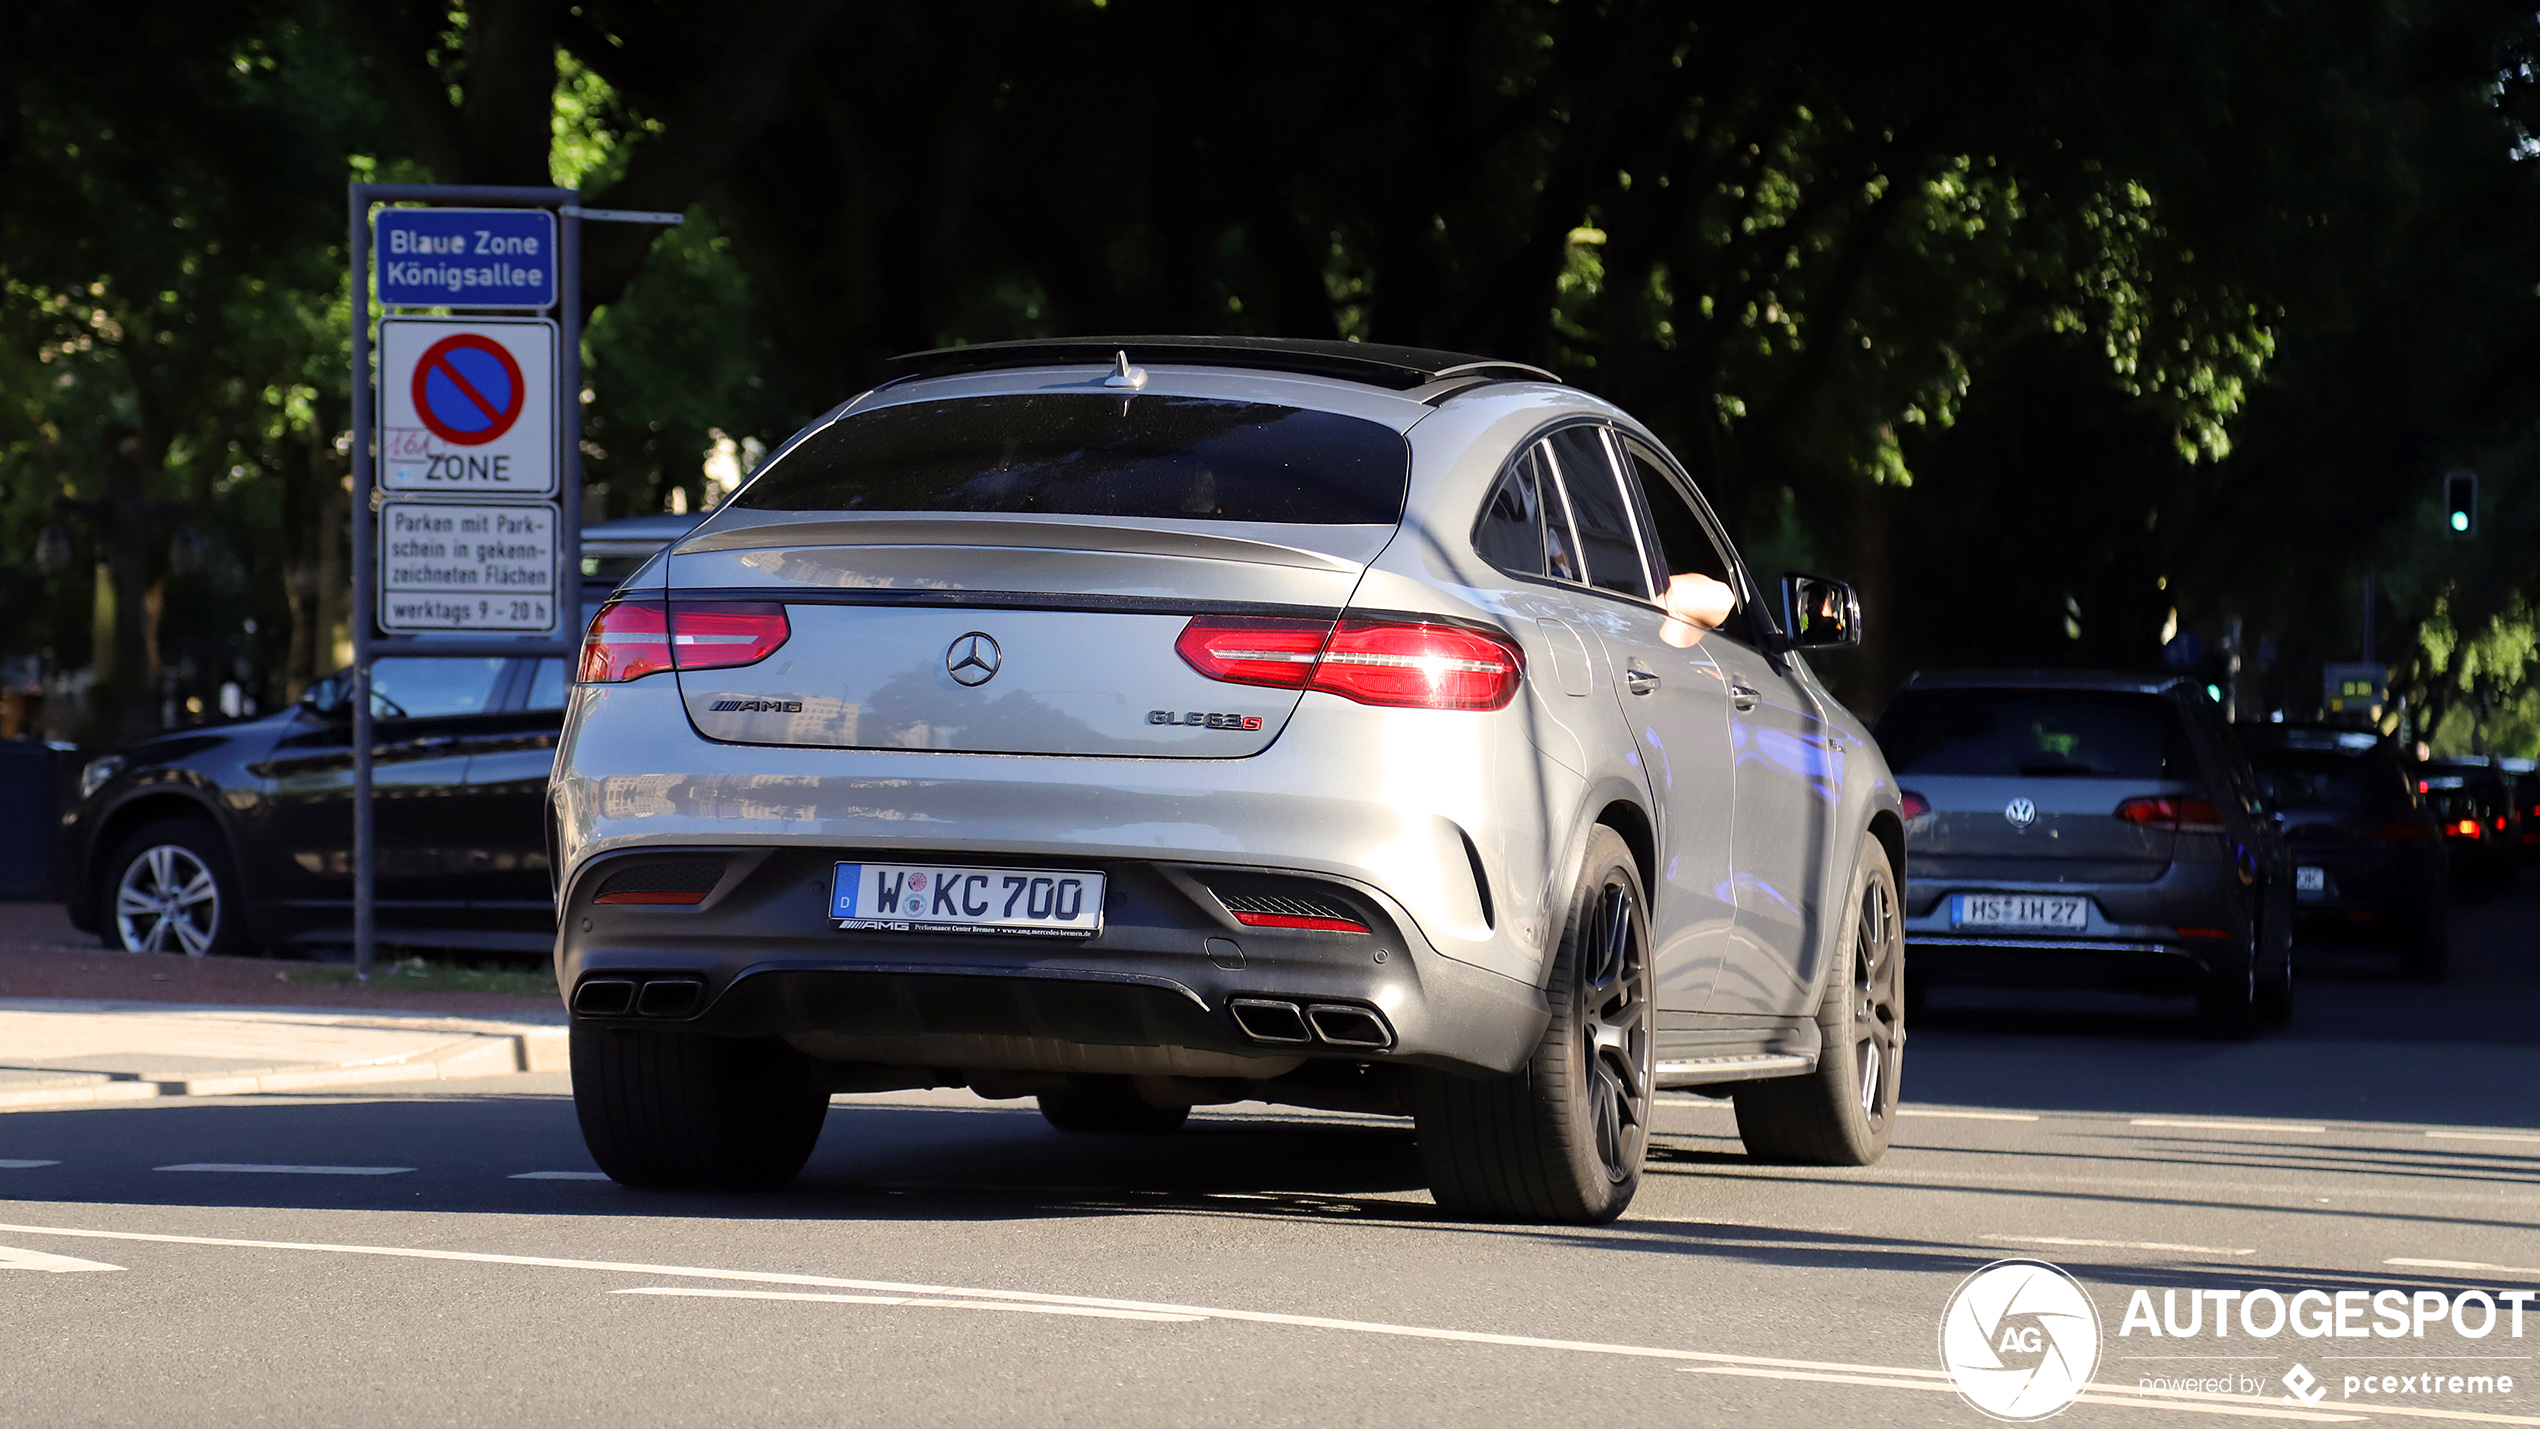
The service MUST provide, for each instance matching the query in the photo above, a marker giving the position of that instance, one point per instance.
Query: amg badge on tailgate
(760, 706)
(1211, 721)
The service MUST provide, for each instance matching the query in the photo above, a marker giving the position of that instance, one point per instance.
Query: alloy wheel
(167, 902)
(1620, 1047)
(1878, 1013)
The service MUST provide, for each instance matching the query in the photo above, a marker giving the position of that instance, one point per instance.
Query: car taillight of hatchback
(2172, 812)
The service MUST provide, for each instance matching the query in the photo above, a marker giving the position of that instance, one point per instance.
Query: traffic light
(2460, 502)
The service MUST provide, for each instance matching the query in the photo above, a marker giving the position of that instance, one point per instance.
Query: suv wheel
(2275, 978)
(2227, 1006)
(681, 1110)
(1841, 1114)
(169, 889)
(1109, 1106)
(1562, 1139)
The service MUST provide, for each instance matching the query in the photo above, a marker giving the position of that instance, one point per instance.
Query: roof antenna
(1123, 375)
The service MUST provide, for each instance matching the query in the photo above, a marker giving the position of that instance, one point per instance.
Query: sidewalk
(80, 1024)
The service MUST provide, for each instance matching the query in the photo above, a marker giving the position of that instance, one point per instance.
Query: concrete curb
(477, 1054)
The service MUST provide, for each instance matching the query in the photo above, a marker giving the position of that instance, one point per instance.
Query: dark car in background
(2369, 868)
(222, 837)
(2475, 802)
(2527, 810)
(2070, 829)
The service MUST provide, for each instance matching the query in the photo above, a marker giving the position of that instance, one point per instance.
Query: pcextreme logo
(2020, 1340)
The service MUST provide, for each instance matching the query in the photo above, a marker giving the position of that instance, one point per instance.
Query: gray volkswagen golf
(1150, 723)
(2073, 829)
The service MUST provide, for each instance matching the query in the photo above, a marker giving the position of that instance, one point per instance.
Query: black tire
(2428, 958)
(666, 1110)
(1109, 1106)
(2275, 980)
(171, 887)
(2227, 1005)
(1562, 1139)
(1842, 1113)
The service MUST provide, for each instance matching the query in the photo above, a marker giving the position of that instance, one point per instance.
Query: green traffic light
(2460, 520)
(2214, 693)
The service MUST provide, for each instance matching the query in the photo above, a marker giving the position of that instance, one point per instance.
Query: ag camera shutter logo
(2020, 1340)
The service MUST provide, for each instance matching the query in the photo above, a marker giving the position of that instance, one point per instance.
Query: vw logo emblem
(2020, 812)
(973, 659)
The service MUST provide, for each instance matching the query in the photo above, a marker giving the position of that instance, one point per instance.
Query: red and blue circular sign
(468, 390)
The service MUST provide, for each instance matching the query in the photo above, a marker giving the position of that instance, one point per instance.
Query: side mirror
(325, 697)
(1820, 614)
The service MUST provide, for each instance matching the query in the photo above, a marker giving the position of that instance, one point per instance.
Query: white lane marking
(2106, 1394)
(2147, 1398)
(1722, 1103)
(15, 1165)
(1967, 1115)
(2445, 1135)
(2463, 1265)
(2117, 1244)
(15, 1259)
(911, 1300)
(559, 1176)
(2205, 1125)
(250, 1169)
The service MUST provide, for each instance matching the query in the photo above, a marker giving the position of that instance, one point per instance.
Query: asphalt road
(952, 1260)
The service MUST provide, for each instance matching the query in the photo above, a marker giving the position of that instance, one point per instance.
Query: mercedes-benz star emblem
(973, 659)
(2020, 812)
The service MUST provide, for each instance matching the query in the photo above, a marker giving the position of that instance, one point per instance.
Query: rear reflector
(1292, 920)
(675, 897)
(1401, 664)
(1913, 805)
(2188, 932)
(630, 639)
(2169, 811)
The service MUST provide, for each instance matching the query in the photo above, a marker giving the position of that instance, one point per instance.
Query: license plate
(2310, 880)
(2019, 910)
(932, 898)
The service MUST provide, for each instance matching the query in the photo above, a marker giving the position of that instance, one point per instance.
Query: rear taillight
(1912, 805)
(2403, 833)
(2168, 811)
(723, 634)
(630, 639)
(2462, 828)
(1279, 653)
(1399, 663)
(2500, 826)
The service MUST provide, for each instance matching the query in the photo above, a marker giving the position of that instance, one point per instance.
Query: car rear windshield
(2079, 734)
(1082, 454)
(2345, 783)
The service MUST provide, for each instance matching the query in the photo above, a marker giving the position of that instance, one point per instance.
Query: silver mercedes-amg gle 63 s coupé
(1147, 723)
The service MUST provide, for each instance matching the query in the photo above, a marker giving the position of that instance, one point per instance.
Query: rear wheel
(2275, 978)
(169, 889)
(1562, 1139)
(1840, 1114)
(683, 1111)
(1109, 1106)
(2227, 1005)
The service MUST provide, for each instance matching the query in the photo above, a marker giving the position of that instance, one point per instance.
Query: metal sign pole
(562, 637)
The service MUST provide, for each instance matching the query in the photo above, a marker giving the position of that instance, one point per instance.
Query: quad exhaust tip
(1267, 1019)
(647, 997)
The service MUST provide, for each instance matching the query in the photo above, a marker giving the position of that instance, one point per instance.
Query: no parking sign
(468, 407)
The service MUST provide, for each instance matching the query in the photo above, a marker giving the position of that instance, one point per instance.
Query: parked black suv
(220, 837)
(2368, 859)
(2070, 829)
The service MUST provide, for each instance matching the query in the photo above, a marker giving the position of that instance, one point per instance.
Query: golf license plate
(934, 898)
(2019, 910)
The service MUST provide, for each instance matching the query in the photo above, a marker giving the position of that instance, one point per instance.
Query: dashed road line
(2117, 1244)
(2204, 1124)
(1939, 1115)
(2485, 1136)
(912, 1301)
(15, 1164)
(11, 1258)
(558, 1176)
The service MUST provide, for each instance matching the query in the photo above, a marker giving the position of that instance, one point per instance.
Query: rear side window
(1082, 454)
(1604, 517)
(1510, 535)
(2034, 734)
(433, 686)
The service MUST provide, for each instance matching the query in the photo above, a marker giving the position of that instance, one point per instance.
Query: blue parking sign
(466, 257)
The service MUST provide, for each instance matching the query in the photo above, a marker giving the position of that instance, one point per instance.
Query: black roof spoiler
(1377, 365)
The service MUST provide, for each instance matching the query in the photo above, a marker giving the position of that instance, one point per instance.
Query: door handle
(1742, 697)
(1639, 679)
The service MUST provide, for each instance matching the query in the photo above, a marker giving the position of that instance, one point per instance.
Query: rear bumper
(2133, 941)
(1173, 985)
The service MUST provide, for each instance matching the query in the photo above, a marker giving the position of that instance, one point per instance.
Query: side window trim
(1550, 466)
(1642, 539)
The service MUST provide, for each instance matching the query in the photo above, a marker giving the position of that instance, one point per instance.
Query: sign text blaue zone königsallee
(466, 257)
